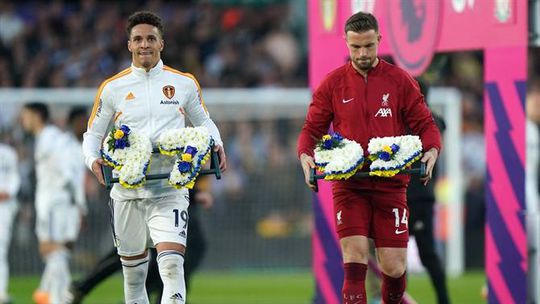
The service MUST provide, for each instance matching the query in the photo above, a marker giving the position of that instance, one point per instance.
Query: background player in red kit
(366, 98)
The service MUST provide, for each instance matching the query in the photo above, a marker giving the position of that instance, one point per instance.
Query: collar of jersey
(153, 71)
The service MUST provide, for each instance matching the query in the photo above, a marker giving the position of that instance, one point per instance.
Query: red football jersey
(387, 102)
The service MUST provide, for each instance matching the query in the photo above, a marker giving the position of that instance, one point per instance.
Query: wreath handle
(314, 177)
(213, 170)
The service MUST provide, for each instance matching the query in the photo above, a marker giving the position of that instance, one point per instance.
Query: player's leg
(168, 225)
(353, 215)
(130, 238)
(154, 285)
(56, 226)
(7, 213)
(423, 231)
(390, 227)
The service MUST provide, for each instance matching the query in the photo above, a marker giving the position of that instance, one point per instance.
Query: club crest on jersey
(385, 99)
(168, 91)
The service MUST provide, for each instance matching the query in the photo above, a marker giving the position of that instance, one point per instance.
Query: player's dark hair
(144, 17)
(39, 108)
(76, 112)
(361, 22)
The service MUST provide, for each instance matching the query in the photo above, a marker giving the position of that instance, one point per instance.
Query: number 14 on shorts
(400, 220)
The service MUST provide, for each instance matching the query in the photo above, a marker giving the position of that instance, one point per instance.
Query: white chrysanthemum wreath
(129, 153)
(338, 157)
(192, 145)
(390, 155)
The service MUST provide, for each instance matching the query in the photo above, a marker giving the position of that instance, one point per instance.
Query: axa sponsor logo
(384, 112)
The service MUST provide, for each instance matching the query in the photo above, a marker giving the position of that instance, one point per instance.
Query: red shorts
(382, 216)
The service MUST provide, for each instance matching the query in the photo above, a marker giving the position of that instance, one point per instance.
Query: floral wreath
(338, 157)
(129, 153)
(192, 146)
(390, 155)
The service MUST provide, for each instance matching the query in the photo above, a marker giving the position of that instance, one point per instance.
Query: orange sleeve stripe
(100, 90)
(167, 68)
(117, 115)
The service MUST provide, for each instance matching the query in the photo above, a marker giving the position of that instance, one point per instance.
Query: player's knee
(394, 269)
(355, 249)
(134, 271)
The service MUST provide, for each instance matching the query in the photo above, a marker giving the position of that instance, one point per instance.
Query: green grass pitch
(260, 288)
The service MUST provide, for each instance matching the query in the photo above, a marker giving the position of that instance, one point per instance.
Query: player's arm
(420, 121)
(319, 116)
(102, 113)
(13, 180)
(198, 115)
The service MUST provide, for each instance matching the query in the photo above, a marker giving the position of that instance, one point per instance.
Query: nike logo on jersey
(347, 100)
(400, 231)
(130, 96)
(384, 112)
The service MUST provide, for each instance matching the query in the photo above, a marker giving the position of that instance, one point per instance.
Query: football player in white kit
(9, 186)
(57, 217)
(150, 98)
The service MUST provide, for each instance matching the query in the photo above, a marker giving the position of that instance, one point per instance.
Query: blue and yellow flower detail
(390, 155)
(129, 154)
(338, 157)
(191, 147)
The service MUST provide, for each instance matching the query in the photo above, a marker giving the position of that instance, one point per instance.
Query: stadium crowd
(59, 44)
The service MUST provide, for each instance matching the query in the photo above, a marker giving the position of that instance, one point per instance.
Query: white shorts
(142, 223)
(8, 209)
(59, 223)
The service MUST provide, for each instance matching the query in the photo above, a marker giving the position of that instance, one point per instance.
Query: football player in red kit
(366, 98)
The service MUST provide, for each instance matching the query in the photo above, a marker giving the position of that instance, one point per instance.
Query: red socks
(354, 287)
(393, 288)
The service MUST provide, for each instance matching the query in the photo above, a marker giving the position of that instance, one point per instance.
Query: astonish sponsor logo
(168, 102)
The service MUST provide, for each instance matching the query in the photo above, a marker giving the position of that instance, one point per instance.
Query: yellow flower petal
(118, 134)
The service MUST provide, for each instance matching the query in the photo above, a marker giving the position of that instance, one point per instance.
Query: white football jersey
(149, 103)
(10, 180)
(53, 167)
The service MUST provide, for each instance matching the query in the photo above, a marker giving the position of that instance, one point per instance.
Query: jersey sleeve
(418, 117)
(319, 116)
(99, 120)
(198, 114)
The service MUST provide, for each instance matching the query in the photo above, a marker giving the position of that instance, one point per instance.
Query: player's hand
(307, 164)
(222, 157)
(96, 169)
(430, 157)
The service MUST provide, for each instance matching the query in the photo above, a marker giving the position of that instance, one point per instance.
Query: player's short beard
(363, 67)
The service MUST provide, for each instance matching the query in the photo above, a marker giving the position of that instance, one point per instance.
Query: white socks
(134, 280)
(56, 276)
(171, 270)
